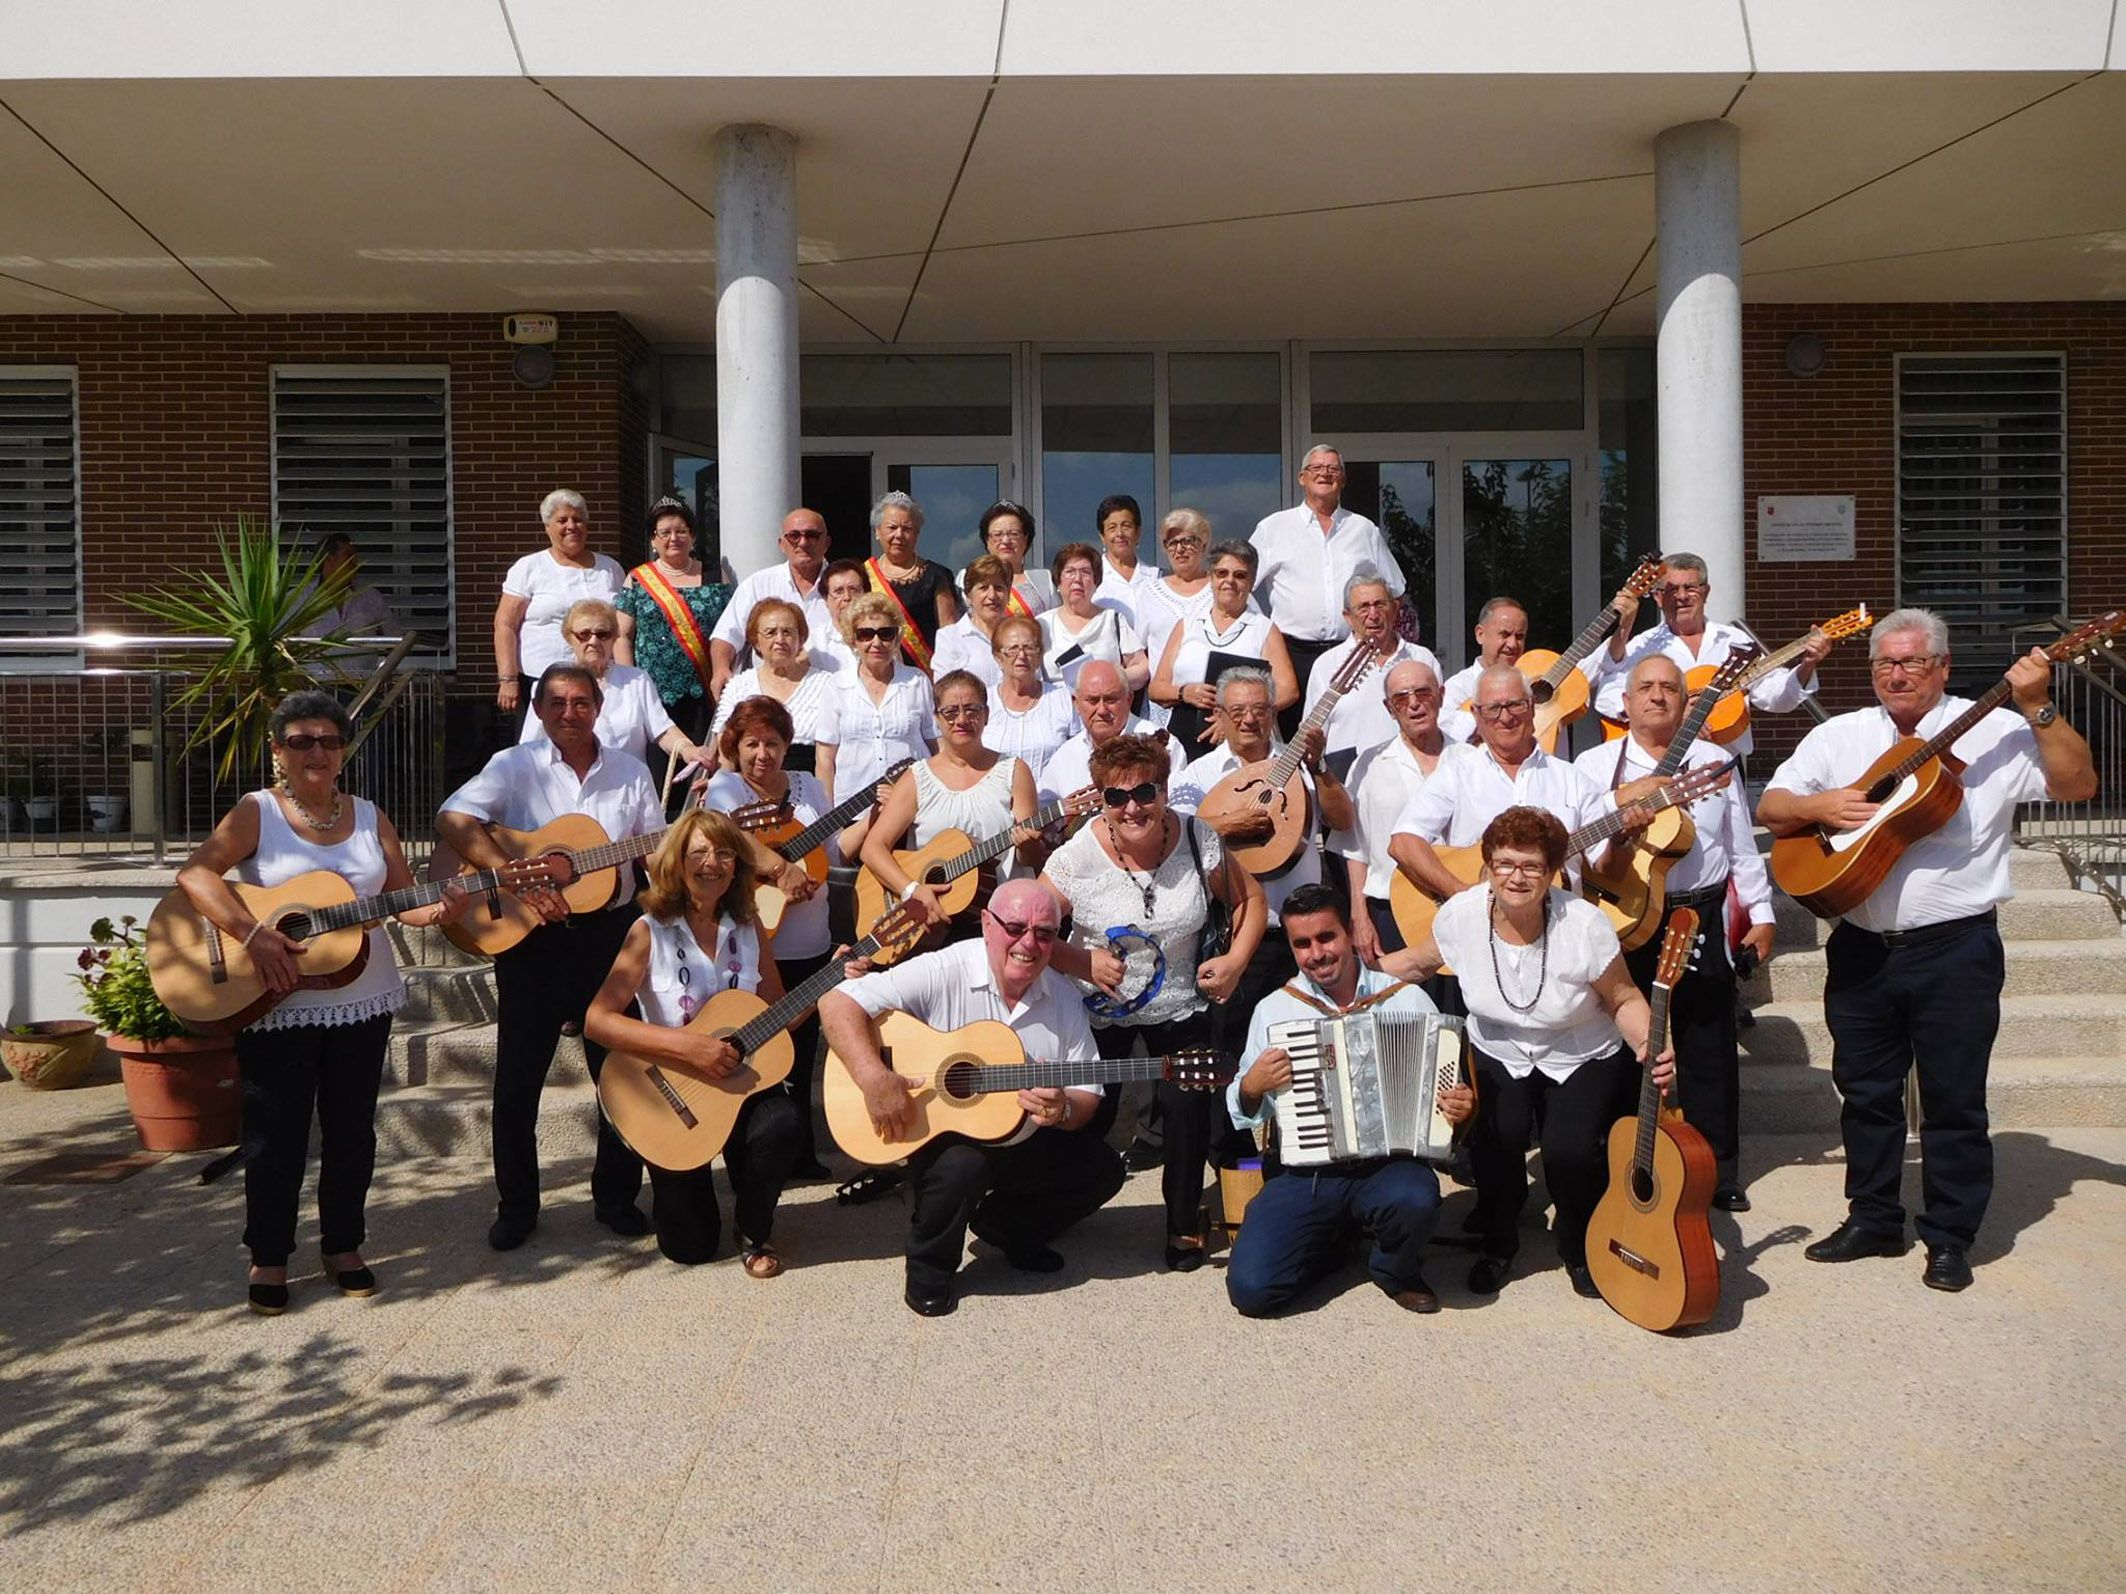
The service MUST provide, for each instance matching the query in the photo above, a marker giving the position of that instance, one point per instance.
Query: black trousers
(758, 1157)
(1934, 1005)
(1016, 1196)
(333, 1070)
(541, 983)
(1191, 1124)
(1575, 1114)
(1701, 1026)
(804, 1042)
(1303, 653)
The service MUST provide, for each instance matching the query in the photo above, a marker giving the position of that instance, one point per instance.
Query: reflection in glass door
(1398, 495)
(1517, 538)
(953, 498)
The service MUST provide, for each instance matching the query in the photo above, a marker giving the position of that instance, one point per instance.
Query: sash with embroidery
(686, 630)
(1017, 604)
(912, 642)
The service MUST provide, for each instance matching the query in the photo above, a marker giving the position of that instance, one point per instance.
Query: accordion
(1367, 1085)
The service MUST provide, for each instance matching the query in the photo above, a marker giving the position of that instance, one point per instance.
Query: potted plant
(107, 750)
(50, 1054)
(182, 1089)
(42, 803)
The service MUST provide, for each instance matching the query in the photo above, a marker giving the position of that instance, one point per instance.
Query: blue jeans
(1297, 1228)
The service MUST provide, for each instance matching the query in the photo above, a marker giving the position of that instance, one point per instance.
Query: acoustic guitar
(1273, 787)
(206, 977)
(966, 1082)
(1731, 717)
(1917, 787)
(948, 862)
(1562, 694)
(677, 1118)
(1648, 1245)
(1633, 890)
(777, 828)
(575, 855)
(1415, 908)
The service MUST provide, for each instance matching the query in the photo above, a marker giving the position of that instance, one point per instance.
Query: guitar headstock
(1849, 624)
(1701, 780)
(894, 774)
(1085, 800)
(1730, 674)
(1199, 1070)
(762, 815)
(2082, 638)
(1677, 947)
(1642, 581)
(897, 929)
(1353, 669)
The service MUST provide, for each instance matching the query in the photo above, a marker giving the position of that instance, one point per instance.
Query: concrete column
(756, 340)
(1698, 358)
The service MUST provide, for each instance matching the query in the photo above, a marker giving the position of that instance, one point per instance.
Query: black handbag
(1215, 939)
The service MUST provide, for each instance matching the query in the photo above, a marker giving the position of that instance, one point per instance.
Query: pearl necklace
(338, 806)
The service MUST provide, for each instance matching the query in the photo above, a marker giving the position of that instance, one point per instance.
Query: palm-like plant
(267, 603)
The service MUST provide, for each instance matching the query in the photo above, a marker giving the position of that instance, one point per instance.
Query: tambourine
(1122, 940)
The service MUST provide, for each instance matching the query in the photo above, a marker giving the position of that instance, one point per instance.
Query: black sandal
(869, 1185)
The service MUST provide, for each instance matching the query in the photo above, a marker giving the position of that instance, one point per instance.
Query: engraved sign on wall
(1796, 529)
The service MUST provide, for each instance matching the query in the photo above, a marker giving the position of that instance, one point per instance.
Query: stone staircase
(2060, 1060)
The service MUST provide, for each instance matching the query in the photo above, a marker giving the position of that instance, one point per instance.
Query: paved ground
(582, 1415)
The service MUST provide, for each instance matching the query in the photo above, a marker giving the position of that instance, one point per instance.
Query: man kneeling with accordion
(1365, 1080)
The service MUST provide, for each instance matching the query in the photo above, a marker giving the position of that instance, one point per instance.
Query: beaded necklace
(1542, 970)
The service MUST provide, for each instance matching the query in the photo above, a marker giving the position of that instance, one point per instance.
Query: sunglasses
(1043, 934)
(877, 633)
(592, 636)
(805, 534)
(963, 711)
(300, 743)
(1143, 794)
(1423, 694)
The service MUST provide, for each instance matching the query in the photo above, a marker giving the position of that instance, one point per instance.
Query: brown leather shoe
(1418, 1298)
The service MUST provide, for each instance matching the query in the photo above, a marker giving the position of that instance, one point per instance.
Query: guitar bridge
(1634, 1261)
(673, 1099)
(217, 959)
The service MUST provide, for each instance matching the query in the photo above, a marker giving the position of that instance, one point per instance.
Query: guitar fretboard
(1349, 674)
(1053, 1074)
(1642, 1154)
(814, 836)
(779, 1016)
(1701, 710)
(1586, 642)
(389, 904)
(995, 847)
(1939, 743)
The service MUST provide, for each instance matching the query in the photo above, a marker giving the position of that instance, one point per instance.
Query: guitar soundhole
(1642, 1186)
(960, 1081)
(1540, 690)
(561, 869)
(295, 926)
(935, 876)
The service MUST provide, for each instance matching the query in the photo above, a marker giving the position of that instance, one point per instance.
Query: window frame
(26, 662)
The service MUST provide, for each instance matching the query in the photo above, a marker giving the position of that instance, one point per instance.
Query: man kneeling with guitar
(1023, 1192)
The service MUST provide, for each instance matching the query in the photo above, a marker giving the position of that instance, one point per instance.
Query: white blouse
(961, 647)
(630, 717)
(1103, 897)
(682, 977)
(1568, 1025)
(282, 854)
(1032, 735)
(551, 589)
(1109, 634)
(806, 702)
(804, 931)
(981, 811)
(1160, 608)
(870, 738)
(1207, 634)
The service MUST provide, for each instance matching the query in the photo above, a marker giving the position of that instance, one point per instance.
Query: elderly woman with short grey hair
(537, 592)
(921, 589)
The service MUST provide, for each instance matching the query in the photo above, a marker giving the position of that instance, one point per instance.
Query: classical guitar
(1917, 786)
(1561, 692)
(1633, 890)
(966, 1082)
(576, 855)
(1648, 1245)
(948, 862)
(206, 977)
(1273, 787)
(776, 827)
(677, 1118)
(1731, 716)
(1415, 908)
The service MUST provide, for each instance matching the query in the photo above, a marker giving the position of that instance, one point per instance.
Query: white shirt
(1033, 735)
(1302, 574)
(1726, 841)
(1205, 634)
(1160, 608)
(1070, 767)
(1110, 634)
(550, 589)
(774, 582)
(630, 717)
(1960, 869)
(1468, 790)
(954, 987)
(530, 785)
(1780, 692)
(961, 647)
(804, 930)
(1282, 1007)
(1457, 724)
(1361, 718)
(364, 613)
(806, 702)
(682, 976)
(830, 653)
(1194, 783)
(1103, 897)
(870, 738)
(1036, 589)
(1382, 782)
(1124, 592)
(1568, 1025)
(280, 856)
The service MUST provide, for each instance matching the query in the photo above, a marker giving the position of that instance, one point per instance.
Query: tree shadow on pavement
(2031, 1177)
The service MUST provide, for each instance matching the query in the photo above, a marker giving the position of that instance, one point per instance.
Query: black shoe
(868, 1186)
(940, 1305)
(1417, 1298)
(1489, 1273)
(1183, 1258)
(1035, 1259)
(1948, 1268)
(1142, 1156)
(507, 1234)
(1582, 1281)
(1849, 1242)
(270, 1300)
(627, 1222)
(358, 1281)
(1729, 1198)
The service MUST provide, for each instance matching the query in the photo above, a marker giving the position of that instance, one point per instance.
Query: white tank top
(979, 812)
(359, 860)
(682, 977)
(1202, 635)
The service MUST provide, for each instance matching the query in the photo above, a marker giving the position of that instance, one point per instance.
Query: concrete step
(2031, 1026)
(448, 1053)
(2035, 968)
(453, 993)
(429, 949)
(2051, 914)
(452, 1120)
(2021, 1093)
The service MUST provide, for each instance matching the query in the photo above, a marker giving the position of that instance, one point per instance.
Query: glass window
(905, 395)
(953, 498)
(1446, 390)
(1225, 438)
(1399, 497)
(1517, 540)
(1631, 476)
(1096, 439)
(686, 395)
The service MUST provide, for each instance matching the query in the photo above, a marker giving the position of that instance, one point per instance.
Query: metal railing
(96, 758)
(2089, 837)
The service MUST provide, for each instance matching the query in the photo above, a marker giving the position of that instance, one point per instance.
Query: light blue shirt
(1282, 1007)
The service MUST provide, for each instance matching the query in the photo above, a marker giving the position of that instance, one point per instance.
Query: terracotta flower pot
(184, 1094)
(51, 1055)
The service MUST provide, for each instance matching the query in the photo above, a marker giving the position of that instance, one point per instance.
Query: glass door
(954, 481)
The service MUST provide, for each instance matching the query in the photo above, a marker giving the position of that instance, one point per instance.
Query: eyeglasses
(1508, 869)
(1681, 589)
(592, 636)
(1185, 542)
(1917, 664)
(675, 531)
(963, 711)
(1323, 470)
(1143, 794)
(300, 743)
(1495, 713)
(805, 534)
(1424, 694)
(724, 857)
(876, 633)
(1245, 711)
(1043, 934)
(1006, 534)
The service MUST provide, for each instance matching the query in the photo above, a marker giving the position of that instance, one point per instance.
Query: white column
(756, 340)
(1698, 221)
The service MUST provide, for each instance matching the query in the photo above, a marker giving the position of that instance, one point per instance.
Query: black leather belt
(1930, 932)
(1704, 898)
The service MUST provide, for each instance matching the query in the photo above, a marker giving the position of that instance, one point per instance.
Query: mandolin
(205, 975)
(678, 1119)
(1917, 787)
(966, 1082)
(948, 862)
(1273, 787)
(773, 824)
(1648, 1245)
(1562, 694)
(575, 855)
(1731, 716)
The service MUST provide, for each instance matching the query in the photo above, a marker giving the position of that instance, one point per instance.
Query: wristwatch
(2044, 716)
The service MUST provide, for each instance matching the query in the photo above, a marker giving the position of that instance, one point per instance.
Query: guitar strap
(1292, 989)
(912, 642)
